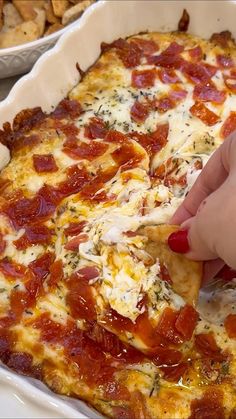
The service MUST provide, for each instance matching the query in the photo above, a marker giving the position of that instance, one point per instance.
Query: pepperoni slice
(209, 406)
(171, 101)
(169, 58)
(38, 234)
(196, 53)
(143, 78)
(166, 326)
(22, 363)
(118, 43)
(94, 190)
(208, 93)
(168, 76)
(88, 151)
(210, 69)
(129, 52)
(166, 61)
(198, 73)
(141, 328)
(109, 342)
(224, 61)
(41, 266)
(153, 142)
(23, 122)
(173, 49)
(230, 325)
(186, 321)
(229, 126)
(116, 391)
(5, 344)
(67, 108)
(44, 163)
(93, 364)
(223, 38)
(56, 273)
(178, 94)
(116, 321)
(147, 46)
(139, 112)
(165, 356)
(75, 228)
(80, 297)
(164, 104)
(69, 130)
(24, 141)
(148, 334)
(206, 345)
(11, 269)
(25, 211)
(96, 128)
(122, 412)
(89, 272)
(35, 277)
(130, 55)
(76, 179)
(204, 114)
(174, 373)
(75, 243)
(126, 156)
(116, 137)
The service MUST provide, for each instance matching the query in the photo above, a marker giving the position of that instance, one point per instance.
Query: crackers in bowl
(23, 21)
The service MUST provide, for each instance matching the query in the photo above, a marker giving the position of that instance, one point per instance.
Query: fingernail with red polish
(178, 241)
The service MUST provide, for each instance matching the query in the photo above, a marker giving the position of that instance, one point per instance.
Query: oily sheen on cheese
(84, 306)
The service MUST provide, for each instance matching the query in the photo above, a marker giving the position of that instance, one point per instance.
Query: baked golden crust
(83, 305)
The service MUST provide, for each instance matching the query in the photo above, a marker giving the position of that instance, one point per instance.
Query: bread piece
(75, 12)
(59, 7)
(25, 32)
(185, 274)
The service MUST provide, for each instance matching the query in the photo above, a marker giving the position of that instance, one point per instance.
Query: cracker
(40, 20)
(75, 12)
(186, 274)
(26, 9)
(11, 16)
(21, 34)
(53, 28)
(50, 16)
(59, 7)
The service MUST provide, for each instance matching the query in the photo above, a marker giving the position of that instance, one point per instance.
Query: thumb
(212, 231)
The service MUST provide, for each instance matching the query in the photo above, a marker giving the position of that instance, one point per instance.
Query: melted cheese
(126, 273)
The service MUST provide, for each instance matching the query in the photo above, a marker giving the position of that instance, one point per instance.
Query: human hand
(208, 214)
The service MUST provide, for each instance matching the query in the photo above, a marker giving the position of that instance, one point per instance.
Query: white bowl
(55, 74)
(21, 58)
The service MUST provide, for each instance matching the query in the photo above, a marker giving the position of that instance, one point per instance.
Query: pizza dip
(92, 301)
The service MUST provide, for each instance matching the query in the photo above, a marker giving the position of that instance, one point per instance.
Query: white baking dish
(55, 74)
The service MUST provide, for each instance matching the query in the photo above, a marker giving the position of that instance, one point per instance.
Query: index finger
(211, 178)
